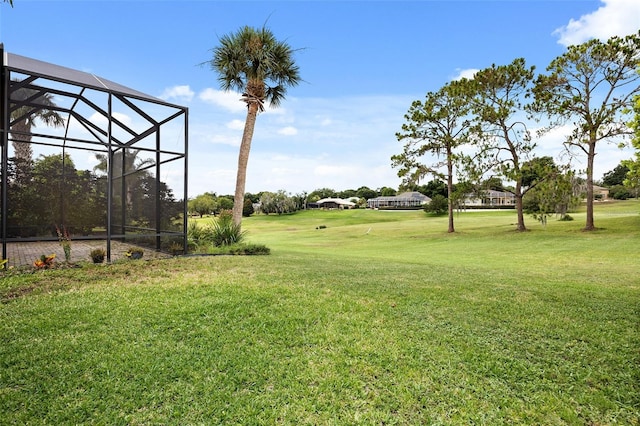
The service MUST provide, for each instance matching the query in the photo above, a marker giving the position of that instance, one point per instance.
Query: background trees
(277, 202)
(632, 179)
(57, 194)
(591, 85)
(253, 62)
(23, 119)
(557, 190)
(203, 204)
(320, 193)
(499, 134)
(436, 126)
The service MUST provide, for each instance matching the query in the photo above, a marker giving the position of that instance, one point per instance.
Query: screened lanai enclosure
(87, 157)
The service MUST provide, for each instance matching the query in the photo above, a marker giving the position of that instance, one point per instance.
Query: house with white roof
(400, 201)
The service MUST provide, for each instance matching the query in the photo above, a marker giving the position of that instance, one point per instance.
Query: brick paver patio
(21, 254)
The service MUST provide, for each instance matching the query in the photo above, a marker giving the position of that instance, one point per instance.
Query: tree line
(479, 127)
(543, 200)
(49, 190)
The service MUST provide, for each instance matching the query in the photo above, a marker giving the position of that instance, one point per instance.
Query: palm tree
(26, 117)
(254, 63)
(125, 162)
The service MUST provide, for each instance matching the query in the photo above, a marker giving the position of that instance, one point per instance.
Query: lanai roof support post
(4, 143)
(185, 198)
(109, 180)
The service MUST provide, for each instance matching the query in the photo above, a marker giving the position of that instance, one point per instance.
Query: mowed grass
(379, 318)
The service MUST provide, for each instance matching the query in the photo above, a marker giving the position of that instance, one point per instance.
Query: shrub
(619, 192)
(196, 236)
(45, 262)
(134, 253)
(224, 232)
(247, 208)
(219, 232)
(97, 255)
(438, 205)
(250, 249)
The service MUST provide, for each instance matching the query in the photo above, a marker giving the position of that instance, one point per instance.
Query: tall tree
(593, 86)
(366, 192)
(615, 176)
(435, 127)
(203, 204)
(28, 106)
(253, 62)
(503, 139)
(632, 179)
(127, 168)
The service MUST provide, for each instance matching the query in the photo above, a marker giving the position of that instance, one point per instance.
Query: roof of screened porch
(30, 66)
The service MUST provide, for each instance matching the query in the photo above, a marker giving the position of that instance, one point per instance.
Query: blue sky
(363, 63)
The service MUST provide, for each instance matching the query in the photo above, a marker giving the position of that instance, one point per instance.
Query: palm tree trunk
(22, 150)
(243, 161)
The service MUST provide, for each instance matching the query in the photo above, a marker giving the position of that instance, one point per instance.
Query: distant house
(490, 198)
(404, 200)
(600, 192)
(333, 203)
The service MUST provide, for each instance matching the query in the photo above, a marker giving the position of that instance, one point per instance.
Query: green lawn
(379, 318)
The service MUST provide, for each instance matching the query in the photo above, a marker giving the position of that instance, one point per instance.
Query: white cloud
(101, 120)
(468, 73)
(235, 125)
(181, 93)
(330, 170)
(615, 17)
(337, 143)
(223, 140)
(230, 101)
(288, 131)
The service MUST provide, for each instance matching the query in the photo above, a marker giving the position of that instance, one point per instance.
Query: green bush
(197, 236)
(438, 205)
(97, 255)
(250, 249)
(619, 192)
(224, 232)
(221, 236)
(240, 249)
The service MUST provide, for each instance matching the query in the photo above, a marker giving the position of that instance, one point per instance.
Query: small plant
(225, 232)
(65, 242)
(3, 264)
(134, 253)
(176, 248)
(197, 236)
(45, 262)
(98, 255)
